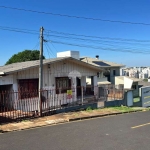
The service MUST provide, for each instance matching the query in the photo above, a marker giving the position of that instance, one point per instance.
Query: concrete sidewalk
(64, 117)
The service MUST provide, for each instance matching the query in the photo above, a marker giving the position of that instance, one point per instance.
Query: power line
(49, 49)
(37, 32)
(98, 41)
(101, 48)
(114, 44)
(19, 30)
(120, 39)
(77, 17)
(85, 40)
(48, 35)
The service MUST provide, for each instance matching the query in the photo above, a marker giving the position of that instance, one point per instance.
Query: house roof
(104, 82)
(144, 83)
(30, 64)
(100, 63)
(122, 78)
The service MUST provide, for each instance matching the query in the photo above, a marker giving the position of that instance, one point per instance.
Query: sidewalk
(66, 117)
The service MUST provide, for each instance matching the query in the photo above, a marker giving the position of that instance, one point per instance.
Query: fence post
(82, 94)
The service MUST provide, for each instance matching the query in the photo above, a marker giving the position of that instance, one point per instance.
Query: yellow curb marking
(140, 125)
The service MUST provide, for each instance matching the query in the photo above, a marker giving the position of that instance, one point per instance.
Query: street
(121, 132)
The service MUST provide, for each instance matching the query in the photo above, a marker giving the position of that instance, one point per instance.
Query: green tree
(26, 55)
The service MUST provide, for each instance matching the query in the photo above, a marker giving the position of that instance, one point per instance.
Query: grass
(119, 109)
(89, 109)
(136, 99)
(122, 108)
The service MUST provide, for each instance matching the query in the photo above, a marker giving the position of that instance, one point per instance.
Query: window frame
(28, 88)
(61, 86)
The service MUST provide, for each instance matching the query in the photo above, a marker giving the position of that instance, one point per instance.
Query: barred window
(28, 88)
(63, 84)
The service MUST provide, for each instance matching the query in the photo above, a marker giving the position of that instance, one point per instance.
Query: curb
(103, 115)
(59, 121)
(48, 124)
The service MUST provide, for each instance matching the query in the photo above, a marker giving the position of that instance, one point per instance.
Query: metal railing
(19, 105)
(110, 93)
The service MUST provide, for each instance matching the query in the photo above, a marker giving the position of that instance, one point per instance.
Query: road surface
(121, 132)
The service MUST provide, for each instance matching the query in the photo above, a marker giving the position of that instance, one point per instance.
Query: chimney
(97, 56)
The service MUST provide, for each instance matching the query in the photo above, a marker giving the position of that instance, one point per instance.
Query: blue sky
(122, 10)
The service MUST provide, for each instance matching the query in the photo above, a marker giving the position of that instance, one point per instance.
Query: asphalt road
(121, 132)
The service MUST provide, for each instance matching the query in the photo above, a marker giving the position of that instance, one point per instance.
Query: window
(134, 86)
(63, 84)
(114, 72)
(28, 88)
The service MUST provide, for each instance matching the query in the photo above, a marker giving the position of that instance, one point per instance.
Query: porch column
(83, 83)
(74, 84)
(95, 86)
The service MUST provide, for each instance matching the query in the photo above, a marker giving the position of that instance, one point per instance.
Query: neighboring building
(137, 72)
(110, 69)
(128, 83)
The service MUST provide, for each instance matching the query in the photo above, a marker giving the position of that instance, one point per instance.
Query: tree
(26, 55)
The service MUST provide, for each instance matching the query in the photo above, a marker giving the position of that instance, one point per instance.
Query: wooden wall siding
(65, 67)
(58, 69)
(28, 74)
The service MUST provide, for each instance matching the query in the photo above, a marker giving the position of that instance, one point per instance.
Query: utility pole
(41, 69)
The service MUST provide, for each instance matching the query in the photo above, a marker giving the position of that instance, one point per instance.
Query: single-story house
(59, 75)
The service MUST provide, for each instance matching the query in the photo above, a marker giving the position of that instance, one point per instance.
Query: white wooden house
(58, 73)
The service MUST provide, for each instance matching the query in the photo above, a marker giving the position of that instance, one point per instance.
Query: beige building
(111, 70)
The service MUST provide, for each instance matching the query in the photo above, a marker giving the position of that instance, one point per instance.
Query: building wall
(127, 83)
(136, 91)
(118, 81)
(102, 79)
(6, 80)
(112, 75)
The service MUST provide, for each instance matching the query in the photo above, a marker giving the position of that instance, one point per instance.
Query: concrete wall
(145, 96)
(119, 81)
(128, 83)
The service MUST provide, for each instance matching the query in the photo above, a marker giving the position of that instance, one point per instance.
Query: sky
(123, 42)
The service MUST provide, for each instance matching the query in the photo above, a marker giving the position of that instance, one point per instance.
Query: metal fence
(18, 105)
(110, 92)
